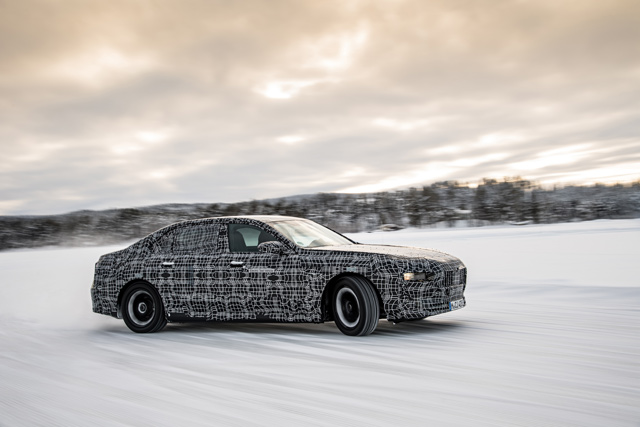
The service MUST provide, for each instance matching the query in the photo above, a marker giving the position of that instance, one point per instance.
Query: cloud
(125, 103)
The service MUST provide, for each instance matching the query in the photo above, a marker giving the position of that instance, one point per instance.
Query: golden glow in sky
(123, 103)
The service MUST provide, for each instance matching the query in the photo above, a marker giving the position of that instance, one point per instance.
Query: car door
(255, 284)
(180, 269)
(196, 252)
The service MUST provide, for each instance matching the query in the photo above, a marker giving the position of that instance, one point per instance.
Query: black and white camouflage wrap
(195, 277)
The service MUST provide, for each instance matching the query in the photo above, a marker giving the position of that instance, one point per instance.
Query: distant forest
(449, 203)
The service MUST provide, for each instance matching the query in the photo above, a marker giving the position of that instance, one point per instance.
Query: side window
(198, 238)
(165, 242)
(246, 238)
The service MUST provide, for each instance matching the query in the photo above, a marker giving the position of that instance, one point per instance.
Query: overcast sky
(129, 103)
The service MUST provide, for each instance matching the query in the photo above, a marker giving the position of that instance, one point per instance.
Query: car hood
(393, 251)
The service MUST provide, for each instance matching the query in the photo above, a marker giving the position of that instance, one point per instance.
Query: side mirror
(272, 247)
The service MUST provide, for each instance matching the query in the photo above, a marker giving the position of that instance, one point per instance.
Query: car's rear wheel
(142, 309)
(355, 306)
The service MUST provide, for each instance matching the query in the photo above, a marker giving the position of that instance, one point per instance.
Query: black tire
(160, 326)
(355, 306)
(142, 309)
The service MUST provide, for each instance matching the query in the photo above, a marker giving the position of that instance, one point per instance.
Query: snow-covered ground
(550, 336)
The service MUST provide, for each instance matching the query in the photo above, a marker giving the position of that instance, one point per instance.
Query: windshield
(308, 234)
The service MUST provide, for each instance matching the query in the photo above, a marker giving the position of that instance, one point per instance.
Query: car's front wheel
(142, 309)
(355, 306)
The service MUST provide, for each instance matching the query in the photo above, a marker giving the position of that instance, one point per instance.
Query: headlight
(420, 277)
(415, 276)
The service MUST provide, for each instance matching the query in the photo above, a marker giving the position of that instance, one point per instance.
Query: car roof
(263, 218)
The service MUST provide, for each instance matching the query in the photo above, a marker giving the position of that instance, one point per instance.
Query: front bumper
(419, 299)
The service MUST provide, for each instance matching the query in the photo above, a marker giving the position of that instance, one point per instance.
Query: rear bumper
(100, 305)
(94, 301)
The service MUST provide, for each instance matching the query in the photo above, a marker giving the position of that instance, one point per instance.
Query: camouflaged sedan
(272, 268)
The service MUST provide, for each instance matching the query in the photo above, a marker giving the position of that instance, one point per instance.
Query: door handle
(168, 264)
(237, 263)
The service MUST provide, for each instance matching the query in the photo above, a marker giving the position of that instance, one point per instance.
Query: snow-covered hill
(549, 337)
